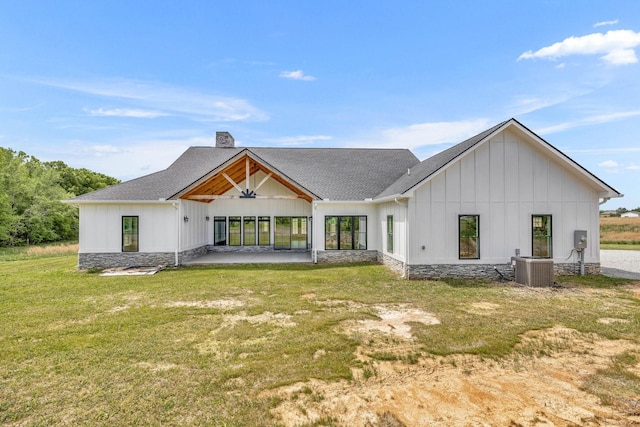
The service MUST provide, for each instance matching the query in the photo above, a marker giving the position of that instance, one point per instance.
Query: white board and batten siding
(399, 212)
(197, 231)
(505, 181)
(101, 226)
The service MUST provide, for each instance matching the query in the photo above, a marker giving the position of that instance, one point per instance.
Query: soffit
(216, 184)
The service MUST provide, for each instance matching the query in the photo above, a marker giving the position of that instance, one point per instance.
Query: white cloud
(126, 112)
(616, 47)
(424, 134)
(527, 104)
(170, 100)
(587, 121)
(605, 23)
(101, 150)
(633, 167)
(154, 152)
(604, 151)
(609, 164)
(296, 75)
(300, 140)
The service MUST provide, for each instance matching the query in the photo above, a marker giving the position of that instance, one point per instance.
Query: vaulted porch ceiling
(239, 171)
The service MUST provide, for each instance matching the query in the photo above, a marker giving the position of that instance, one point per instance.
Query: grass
(38, 251)
(617, 385)
(620, 246)
(621, 232)
(198, 346)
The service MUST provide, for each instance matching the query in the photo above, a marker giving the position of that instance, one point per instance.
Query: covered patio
(277, 257)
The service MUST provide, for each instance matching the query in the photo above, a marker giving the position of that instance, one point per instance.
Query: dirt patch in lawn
(394, 320)
(530, 388)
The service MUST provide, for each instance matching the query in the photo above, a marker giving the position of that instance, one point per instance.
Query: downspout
(604, 200)
(314, 248)
(405, 273)
(176, 205)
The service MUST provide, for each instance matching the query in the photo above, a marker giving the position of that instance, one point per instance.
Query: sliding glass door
(290, 232)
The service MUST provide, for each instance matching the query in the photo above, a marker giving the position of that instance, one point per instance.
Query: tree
(31, 194)
(80, 181)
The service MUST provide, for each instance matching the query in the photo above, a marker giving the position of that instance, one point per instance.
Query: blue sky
(124, 87)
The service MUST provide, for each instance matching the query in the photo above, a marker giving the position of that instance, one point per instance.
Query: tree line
(31, 194)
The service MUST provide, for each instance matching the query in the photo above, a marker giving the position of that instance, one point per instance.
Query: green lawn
(620, 246)
(196, 346)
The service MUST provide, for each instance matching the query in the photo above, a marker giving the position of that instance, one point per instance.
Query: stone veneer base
(391, 263)
(99, 260)
(426, 271)
(486, 271)
(460, 271)
(345, 257)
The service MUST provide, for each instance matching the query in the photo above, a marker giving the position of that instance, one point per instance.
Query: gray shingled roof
(190, 166)
(329, 173)
(428, 167)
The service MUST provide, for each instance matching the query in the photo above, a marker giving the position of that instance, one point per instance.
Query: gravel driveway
(624, 264)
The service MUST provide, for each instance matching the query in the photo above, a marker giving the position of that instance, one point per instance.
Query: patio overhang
(220, 182)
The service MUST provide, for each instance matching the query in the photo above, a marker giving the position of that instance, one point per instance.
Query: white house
(461, 213)
(631, 214)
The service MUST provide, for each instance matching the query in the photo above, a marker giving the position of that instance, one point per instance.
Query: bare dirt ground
(463, 390)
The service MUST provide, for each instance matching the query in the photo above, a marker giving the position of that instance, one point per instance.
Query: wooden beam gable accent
(221, 181)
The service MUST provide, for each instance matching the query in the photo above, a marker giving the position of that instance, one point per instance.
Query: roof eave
(119, 202)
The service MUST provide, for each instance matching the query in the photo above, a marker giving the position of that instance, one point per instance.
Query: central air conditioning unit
(533, 271)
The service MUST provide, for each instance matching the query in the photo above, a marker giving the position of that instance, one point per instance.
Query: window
(235, 225)
(249, 231)
(264, 231)
(331, 232)
(469, 236)
(220, 231)
(129, 234)
(345, 232)
(360, 232)
(282, 237)
(390, 234)
(541, 243)
(290, 232)
(298, 232)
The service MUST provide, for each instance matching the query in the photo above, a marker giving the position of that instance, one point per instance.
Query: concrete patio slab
(282, 257)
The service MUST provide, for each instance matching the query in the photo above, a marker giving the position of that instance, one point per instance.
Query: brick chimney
(225, 140)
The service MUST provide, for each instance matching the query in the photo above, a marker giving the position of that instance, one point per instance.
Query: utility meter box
(580, 239)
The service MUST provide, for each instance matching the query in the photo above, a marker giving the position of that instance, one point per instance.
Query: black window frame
(249, 228)
(548, 237)
(470, 237)
(135, 233)
(261, 221)
(233, 233)
(339, 239)
(219, 220)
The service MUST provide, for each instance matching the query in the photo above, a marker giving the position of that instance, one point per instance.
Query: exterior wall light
(207, 217)
(186, 218)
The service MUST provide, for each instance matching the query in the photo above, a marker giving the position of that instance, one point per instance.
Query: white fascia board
(121, 202)
(396, 197)
(342, 202)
